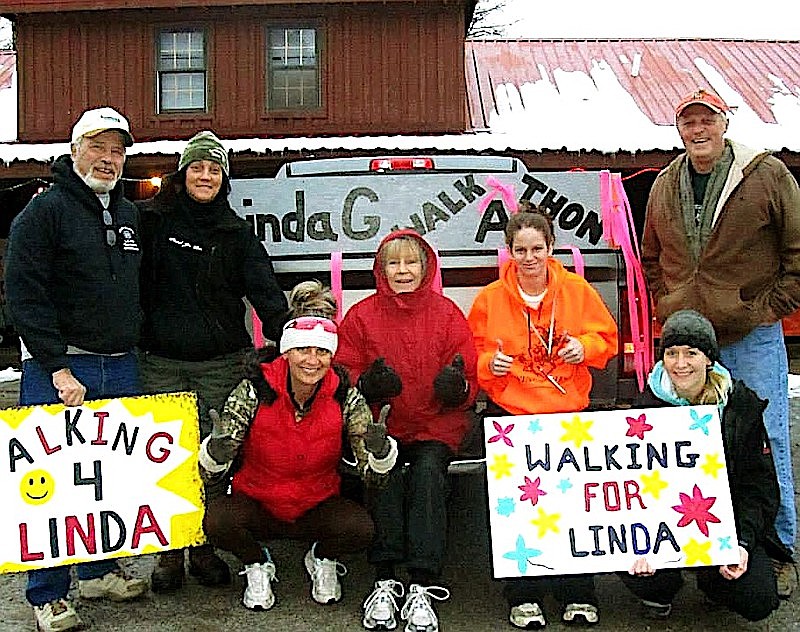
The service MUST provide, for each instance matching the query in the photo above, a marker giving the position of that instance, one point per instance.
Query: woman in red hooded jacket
(410, 346)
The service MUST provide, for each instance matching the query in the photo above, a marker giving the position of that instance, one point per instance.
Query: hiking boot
(168, 574)
(528, 616)
(580, 613)
(207, 567)
(785, 577)
(258, 594)
(116, 586)
(56, 616)
(380, 608)
(324, 573)
(417, 612)
(654, 610)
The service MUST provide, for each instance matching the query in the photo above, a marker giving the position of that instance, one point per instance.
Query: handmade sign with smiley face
(110, 478)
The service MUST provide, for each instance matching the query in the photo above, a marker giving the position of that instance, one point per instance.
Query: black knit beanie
(690, 328)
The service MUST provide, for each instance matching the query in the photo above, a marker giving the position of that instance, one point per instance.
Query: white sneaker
(528, 616)
(417, 612)
(574, 612)
(325, 586)
(380, 608)
(258, 595)
(56, 616)
(116, 586)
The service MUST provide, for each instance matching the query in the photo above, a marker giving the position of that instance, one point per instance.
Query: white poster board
(591, 491)
(110, 478)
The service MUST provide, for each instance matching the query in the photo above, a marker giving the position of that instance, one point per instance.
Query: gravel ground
(476, 604)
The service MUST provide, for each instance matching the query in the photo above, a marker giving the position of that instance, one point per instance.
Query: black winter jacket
(195, 273)
(64, 284)
(751, 471)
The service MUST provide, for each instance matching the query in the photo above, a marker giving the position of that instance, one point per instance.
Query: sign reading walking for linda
(111, 478)
(592, 491)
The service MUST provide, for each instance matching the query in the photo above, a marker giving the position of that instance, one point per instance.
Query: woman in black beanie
(200, 261)
(688, 374)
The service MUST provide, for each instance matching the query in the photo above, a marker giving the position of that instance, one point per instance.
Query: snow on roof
(620, 95)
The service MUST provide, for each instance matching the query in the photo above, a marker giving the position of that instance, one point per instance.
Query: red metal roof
(8, 62)
(667, 70)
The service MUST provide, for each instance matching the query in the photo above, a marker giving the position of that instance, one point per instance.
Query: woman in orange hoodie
(538, 329)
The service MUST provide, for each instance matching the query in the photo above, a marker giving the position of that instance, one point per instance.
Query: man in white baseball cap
(93, 122)
(72, 282)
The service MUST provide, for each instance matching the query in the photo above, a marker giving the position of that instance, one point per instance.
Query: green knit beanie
(205, 146)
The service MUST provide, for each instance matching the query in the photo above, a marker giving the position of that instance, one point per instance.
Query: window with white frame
(293, 81)
(181, 71)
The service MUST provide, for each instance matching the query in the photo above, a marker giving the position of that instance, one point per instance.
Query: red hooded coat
(417, 333)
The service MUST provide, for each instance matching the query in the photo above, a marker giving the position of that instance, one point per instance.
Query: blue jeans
(103, 377)
(759, 360)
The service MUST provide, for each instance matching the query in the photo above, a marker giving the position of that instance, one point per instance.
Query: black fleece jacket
(200, 261)
(64, 284)
(751, 471)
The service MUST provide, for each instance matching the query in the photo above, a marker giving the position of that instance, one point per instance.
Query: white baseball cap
(93, 122)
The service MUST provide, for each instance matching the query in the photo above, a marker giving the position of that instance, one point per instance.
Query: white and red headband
(309, 331)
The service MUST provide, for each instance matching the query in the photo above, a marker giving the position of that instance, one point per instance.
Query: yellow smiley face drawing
(37, 487)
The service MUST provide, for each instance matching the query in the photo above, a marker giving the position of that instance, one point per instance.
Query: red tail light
(400, 164)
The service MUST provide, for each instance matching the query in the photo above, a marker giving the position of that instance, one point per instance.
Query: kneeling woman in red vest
(283, 426)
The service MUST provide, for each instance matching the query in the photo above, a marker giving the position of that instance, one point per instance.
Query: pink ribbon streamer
(502, 256)
(497, 189)
(619, 232)
(336, 282)
(577, 259)
(258, 334)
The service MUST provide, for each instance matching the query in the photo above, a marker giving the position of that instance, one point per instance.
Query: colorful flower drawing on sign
(521, 554)
(699, 423)
(577, 431)
(638, 426)
(531, 490)
(502, 434)
(696, 509)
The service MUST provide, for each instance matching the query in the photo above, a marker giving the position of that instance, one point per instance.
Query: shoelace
(58, 606)
(385, 589)
(256, 573)
(326, 571)
(420, 596)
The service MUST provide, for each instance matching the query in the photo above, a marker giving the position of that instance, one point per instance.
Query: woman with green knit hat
(200, 261)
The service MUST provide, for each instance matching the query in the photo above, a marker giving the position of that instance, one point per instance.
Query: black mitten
(379, 382)
(450, 386)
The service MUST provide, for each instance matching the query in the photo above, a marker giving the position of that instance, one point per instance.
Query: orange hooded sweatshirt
(574, 307)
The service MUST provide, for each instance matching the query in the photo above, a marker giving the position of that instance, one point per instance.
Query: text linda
(602, 498)
(103, 530)
(359, 218)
